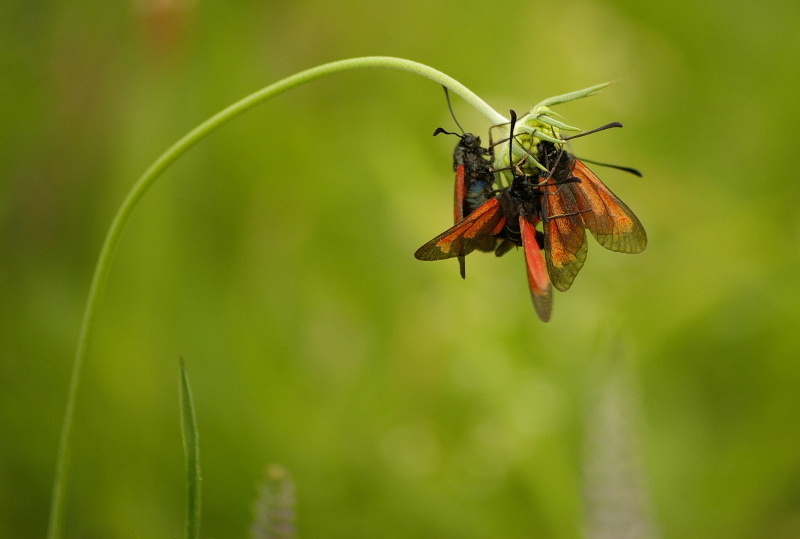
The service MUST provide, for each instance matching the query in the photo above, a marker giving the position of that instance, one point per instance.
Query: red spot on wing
(459, 195)
(458, 210)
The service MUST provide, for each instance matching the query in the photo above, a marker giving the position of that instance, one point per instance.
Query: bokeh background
(662, 400)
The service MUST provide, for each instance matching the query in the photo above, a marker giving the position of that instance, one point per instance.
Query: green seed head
(538, 125)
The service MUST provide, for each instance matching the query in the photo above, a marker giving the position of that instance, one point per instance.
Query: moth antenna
(450, 106)
(601, 128)
(442, 130)
(629, 170)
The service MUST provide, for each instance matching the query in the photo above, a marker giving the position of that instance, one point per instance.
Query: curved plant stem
(148, 178)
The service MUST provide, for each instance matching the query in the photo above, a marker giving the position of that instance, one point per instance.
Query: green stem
(148, 178)
(191, 450)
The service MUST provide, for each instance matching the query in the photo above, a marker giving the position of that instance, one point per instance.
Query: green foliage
(277, 255)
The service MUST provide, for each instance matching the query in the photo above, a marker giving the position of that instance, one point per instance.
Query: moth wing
(467, 235)
(459, 196)
(565, 245)
(610, 221)
(538, 281)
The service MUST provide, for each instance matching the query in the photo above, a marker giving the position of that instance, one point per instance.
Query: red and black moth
(575, 200)
(566, 198)
(474, 183)
(510, 217)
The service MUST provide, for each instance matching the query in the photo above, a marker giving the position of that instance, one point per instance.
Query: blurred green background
(662, 400)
